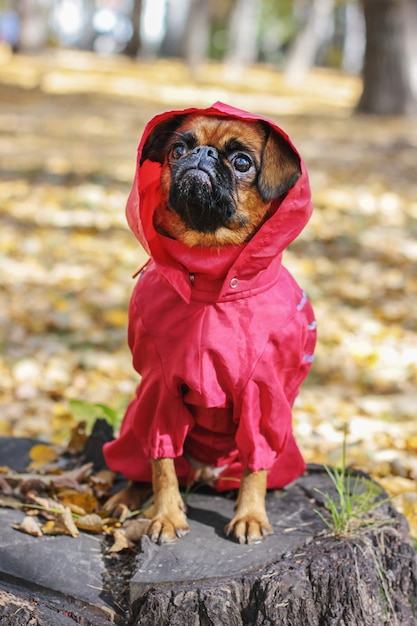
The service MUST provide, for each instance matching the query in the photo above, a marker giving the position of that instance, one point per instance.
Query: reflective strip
(313, 325)
(309, 358)
(302, 301)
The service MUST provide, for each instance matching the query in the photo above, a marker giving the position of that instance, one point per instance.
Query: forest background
(78, 81)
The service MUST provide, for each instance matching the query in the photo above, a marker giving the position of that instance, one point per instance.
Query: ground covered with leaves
(69, 128)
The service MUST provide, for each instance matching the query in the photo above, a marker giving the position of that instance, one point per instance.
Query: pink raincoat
(222, 340)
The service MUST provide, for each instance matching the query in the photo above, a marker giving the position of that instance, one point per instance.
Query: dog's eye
(178, 150)
(242, 163)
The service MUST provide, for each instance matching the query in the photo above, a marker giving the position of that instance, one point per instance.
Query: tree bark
(33, 26)
(243, 31)
(303, 52)
(386, 73)
(368, 577)
(197, 35)
(133, 45)
(369, 580)
(176, 20)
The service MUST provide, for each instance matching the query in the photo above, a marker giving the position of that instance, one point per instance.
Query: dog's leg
(250, 522)
(168, 520)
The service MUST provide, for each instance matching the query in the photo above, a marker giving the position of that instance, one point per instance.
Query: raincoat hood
(213, 271)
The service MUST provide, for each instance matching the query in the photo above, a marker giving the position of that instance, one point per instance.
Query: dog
(219, 180)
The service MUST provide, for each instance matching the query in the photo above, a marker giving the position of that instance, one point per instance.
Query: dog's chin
(170, 224)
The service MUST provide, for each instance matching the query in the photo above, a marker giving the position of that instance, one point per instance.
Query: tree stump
(300, 576)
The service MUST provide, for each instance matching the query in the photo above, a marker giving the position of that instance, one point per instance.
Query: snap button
(234, 283)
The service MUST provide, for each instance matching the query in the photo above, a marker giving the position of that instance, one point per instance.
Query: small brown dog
(221, 180)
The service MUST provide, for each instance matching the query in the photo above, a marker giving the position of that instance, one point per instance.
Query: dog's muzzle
(201, 190)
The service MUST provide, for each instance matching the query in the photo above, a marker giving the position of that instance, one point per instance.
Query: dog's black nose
(205, 152)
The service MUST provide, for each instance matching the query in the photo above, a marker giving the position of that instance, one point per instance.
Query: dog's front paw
(248, 528)
(167, 527)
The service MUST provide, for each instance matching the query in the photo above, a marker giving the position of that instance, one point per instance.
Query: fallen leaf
(4, 486)
(74, 477)
(30, 526)
(10, 502)
(62, 524)
(78, 438)
(136, 528)
(84, 501)
(41, 455)
(91, 523)
(121, 542)
(33, 486)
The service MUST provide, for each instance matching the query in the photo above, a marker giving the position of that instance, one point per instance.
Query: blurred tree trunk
(197, 35)
(133, 45)
(243, 31)
(304, 50)
(387, 69)
(354, 38)
(411, 43)
(87, 38)
(176, 20)
(33, 25)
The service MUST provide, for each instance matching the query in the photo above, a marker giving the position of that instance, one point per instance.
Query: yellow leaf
(411, 443)
(85, 501)
(41, 454)
(409, 509)
(116, 317)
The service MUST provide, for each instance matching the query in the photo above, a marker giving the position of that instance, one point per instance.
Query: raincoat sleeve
(264, 408)
(264, 418)
(160, 418)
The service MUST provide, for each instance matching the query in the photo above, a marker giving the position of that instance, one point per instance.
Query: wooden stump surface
(300, 576)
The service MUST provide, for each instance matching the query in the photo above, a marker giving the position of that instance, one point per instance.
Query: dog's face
(218, 177)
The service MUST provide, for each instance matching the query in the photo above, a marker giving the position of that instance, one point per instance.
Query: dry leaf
(101, 482)
(409, 508)
(73, 478)
(69, 523)
(136, 528)
(86, 502)
(91, 523)
(33, 486)
(78, 438)
(46, 505)
(121, 542)
(62, 524)
(30, 526)
(10, 502)
(4, 486)
(41, 455)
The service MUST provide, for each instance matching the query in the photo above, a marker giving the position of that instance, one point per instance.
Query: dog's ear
(280, 166)
(156, 143)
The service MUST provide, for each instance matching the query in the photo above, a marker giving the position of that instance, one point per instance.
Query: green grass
(356, 497)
